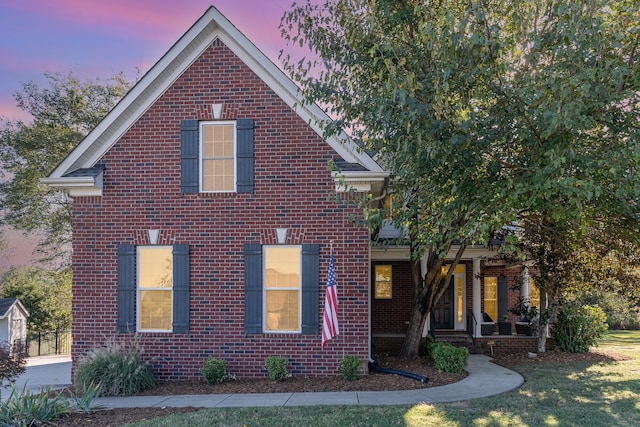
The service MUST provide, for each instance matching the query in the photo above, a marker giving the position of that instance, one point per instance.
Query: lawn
(577, 394)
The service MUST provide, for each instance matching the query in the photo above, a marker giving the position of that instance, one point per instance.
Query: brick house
(204, 212)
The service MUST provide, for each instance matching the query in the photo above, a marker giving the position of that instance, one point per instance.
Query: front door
(444, 309)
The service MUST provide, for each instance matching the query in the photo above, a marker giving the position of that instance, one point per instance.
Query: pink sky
(100, 38)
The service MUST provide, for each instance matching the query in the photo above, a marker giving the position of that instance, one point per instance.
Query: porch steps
(460, 340)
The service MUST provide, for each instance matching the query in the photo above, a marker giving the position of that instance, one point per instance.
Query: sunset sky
(100, 38)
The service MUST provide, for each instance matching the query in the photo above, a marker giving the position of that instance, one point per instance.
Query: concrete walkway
(484, 379)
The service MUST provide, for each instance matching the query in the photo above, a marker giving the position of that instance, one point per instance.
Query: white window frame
(138, 290)
(376, 281)
(201, 158)
(264, 291)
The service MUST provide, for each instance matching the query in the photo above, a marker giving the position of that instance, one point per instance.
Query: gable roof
(7, 303)
(211, 26)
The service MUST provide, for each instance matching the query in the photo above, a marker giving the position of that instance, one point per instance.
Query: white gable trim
(211, 26)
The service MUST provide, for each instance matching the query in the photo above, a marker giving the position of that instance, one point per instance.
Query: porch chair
(487, 326)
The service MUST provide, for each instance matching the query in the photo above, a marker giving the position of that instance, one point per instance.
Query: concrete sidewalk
(484, 379)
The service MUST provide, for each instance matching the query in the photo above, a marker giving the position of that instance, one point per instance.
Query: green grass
(580, 394)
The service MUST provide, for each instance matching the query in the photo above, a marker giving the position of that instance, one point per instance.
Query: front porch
(488, 345)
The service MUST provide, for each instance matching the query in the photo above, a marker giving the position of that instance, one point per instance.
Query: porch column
(525, 290)
(476, 297)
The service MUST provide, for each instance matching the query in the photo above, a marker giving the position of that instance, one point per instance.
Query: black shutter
(181, 289)
(189, 148)
(126, 288)
(244, 155)
(503, 297)
(310, 288)
(252, 289)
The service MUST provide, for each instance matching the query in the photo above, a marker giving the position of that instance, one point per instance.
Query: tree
(45, 294)
(63, 113)
(482, 112)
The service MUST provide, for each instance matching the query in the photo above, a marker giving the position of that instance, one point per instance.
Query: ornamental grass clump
(118, 369)
(24, 407)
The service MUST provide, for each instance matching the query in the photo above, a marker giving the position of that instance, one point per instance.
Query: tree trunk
(418, 317)
(427, 291)
(543, 327)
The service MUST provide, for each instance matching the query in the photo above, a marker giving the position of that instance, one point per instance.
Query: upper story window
(217, 157)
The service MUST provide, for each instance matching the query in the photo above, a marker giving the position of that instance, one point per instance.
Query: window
(217, 153)
(491, 297)
(383, 281)
(216, 157)
(534, 295)
(282, 275)
(281, 289)
(155, 288)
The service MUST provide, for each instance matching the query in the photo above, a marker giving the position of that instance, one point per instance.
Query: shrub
(118, 369)
(12, 363)
(578, 327)
(349, 367)
(277, 367)
(622, 313)
(448, 358)
(425, 346)
(215, 371)
(27, 408)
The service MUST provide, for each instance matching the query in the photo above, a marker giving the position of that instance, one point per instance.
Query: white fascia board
(181, 55)
(289, 92)
(401, 253)
(142, 96)
(76, 186)
(360, 181)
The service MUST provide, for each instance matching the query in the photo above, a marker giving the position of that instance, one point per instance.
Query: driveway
(43, 372)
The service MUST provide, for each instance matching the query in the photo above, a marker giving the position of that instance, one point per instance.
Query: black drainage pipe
(373, 366)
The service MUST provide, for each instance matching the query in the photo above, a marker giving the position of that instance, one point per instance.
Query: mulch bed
(371, 382)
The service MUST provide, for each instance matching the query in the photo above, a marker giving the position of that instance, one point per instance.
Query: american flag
(330, 320)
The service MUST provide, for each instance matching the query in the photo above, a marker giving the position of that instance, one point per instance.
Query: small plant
(578, 327)
(26, 408)
(277, 367)
(85, 403)
(349, 367)
(448, 358)
(118, 369)
(12, 363)
(215, 371)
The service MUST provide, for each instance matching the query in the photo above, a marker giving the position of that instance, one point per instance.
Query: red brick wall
(293, 189)
(391, 316)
